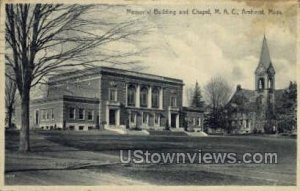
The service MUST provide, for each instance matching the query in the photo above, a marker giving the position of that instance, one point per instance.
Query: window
(270, 83)
(90, 115)
(173, 101)
(43, 114)
(131, 95)
(113, 95)
(194, 121)
(72, 113)
(47, 115)
(261, 84)
(90, 127)
(144, 97)
(155, 98)
(132, 118)
(145, 118)
(52, 114)
(81, 128)
(71, 127)
(81, 114)
(36, 117)
(247, 123)
(199, 122)
(157, 118)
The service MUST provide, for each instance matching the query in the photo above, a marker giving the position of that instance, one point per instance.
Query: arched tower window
(144, 97)
(131, 95)
(261, 84)
(270, 83)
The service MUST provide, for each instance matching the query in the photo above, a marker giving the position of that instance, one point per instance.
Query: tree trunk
(9, 113)
(24, 132)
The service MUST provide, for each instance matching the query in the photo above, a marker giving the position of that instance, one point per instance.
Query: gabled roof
(247, 94)
(245, 100)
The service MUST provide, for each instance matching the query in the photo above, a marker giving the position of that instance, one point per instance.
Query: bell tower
(264, 87)
(265, 72)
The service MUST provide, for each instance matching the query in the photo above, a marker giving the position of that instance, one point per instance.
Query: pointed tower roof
(265, 58)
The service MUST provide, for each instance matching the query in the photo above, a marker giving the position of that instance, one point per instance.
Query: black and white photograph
(149, 93)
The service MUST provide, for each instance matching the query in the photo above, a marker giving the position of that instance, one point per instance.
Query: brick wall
(80, 122)
(83, 87)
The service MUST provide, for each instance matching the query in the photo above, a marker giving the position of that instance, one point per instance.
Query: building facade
(109, 98)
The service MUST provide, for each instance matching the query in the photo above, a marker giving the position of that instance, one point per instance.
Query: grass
(85, 158)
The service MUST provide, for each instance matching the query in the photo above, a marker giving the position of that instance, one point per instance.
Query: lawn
(92, 158)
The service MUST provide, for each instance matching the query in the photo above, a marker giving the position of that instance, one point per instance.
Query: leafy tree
(286, 109)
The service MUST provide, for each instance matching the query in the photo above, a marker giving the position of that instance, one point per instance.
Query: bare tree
(44, 39)
(217, 92)
(10, 99)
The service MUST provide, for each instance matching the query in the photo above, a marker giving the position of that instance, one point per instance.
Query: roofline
(65, 98)
(104, 69)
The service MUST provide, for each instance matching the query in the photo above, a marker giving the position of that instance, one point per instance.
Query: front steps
(155, 132)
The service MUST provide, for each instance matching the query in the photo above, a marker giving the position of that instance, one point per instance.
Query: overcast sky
(196, 48)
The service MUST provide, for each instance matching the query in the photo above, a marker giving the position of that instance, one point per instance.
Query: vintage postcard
(111, 94)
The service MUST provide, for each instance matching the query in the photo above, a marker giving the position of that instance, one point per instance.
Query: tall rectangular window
(155, 98)
(173, 101)
(145, 118)
(90, 114)
(157, 119)
(43, 114)
(112, 94)
(52, 114)
(72, 113)
(144, 97)
(47, 114)
(81, 114)
(199, 122)
(132, 118)
(131, 95)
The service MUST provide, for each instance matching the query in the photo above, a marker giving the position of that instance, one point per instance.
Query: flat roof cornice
(114, 71)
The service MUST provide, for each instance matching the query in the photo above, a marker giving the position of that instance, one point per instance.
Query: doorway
(112, 117)
(173, 120)
(36, 117)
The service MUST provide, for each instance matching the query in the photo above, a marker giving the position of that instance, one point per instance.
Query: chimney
(238, 87)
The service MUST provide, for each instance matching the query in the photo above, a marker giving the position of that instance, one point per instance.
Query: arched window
(131, 95)
(270, 83)
(155, 98)
(144, 97)
(261, 84)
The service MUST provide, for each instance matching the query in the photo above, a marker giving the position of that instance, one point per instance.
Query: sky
(199, 47)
